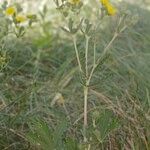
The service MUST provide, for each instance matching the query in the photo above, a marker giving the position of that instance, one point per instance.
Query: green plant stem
(85, 123)
(85, 112)
(94, 60)
(86, 86)
(86, 55)
(77, 53)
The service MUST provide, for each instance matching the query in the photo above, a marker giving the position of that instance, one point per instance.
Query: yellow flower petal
(20, 18)
(111, 9)
(104, 2)
(10, 11)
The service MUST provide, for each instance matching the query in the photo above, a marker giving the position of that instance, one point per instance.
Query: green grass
(42, 67)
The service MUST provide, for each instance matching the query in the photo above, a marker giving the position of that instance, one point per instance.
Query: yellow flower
(10, 11)
(74, 2)
(104, 2)
(20, 19)
(111, 9)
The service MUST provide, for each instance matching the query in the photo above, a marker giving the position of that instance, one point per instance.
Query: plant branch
(86, 55)
(77, 53)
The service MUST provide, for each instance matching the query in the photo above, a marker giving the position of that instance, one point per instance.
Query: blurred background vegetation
(41, 101)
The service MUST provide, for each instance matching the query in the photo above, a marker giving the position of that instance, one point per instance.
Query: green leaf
(58, 133)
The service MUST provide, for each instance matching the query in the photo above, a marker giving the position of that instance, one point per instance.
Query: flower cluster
(19, 20)
(111, 10)
(12, 11)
